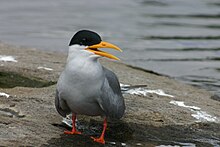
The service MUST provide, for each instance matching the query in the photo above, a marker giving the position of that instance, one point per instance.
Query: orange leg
(101, 138)
(74, 127)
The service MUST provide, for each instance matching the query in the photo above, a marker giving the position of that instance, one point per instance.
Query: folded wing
(111, 99)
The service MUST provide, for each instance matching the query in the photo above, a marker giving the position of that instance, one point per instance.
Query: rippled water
(179, 38)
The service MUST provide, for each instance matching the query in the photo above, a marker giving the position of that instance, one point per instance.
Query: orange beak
(94, 49)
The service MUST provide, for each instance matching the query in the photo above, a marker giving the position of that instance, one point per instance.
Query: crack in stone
(10, 113)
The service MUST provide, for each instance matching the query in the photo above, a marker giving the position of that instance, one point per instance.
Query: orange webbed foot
(74, 127)
(99, 140)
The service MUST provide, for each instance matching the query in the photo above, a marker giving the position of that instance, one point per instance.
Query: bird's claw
(72, 132)
(99, 140)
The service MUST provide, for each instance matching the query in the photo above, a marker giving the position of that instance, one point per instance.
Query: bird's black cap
(86, 38)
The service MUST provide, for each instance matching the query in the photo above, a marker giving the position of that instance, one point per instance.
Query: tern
(85, 87)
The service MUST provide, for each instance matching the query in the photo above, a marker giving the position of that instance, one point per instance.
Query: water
(179, 38)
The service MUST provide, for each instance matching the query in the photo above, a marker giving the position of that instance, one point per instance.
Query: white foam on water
(198, 114)
(204, 116)
(168, 146)
(180, 145)
(111, 142)
(123, 144)
(181, 104)
(142, 91)
(124, 85)
(4, 94)
(214, 141)
(138, 144)
(5, 58)
(45, 68)
(67, 122)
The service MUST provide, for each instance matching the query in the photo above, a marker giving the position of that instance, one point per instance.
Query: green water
(178, 38)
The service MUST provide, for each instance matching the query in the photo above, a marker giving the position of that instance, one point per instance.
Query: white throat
(78, 51)
(83, 65)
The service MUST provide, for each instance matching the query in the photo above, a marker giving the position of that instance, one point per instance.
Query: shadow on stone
(132, 134)
(116, 133)
(216, 97)
(71, 140)
(11, 80)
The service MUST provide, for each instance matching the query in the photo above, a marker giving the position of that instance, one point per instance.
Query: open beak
(94, 49)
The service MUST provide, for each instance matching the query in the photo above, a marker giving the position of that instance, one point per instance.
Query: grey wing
(61, 105)
(111, 100)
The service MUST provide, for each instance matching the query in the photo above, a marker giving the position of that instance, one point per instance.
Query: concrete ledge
(28, 116)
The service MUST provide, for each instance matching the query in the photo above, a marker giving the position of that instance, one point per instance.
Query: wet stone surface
(28, 116)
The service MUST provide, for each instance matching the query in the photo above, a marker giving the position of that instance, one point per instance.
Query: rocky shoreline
(166, 112)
